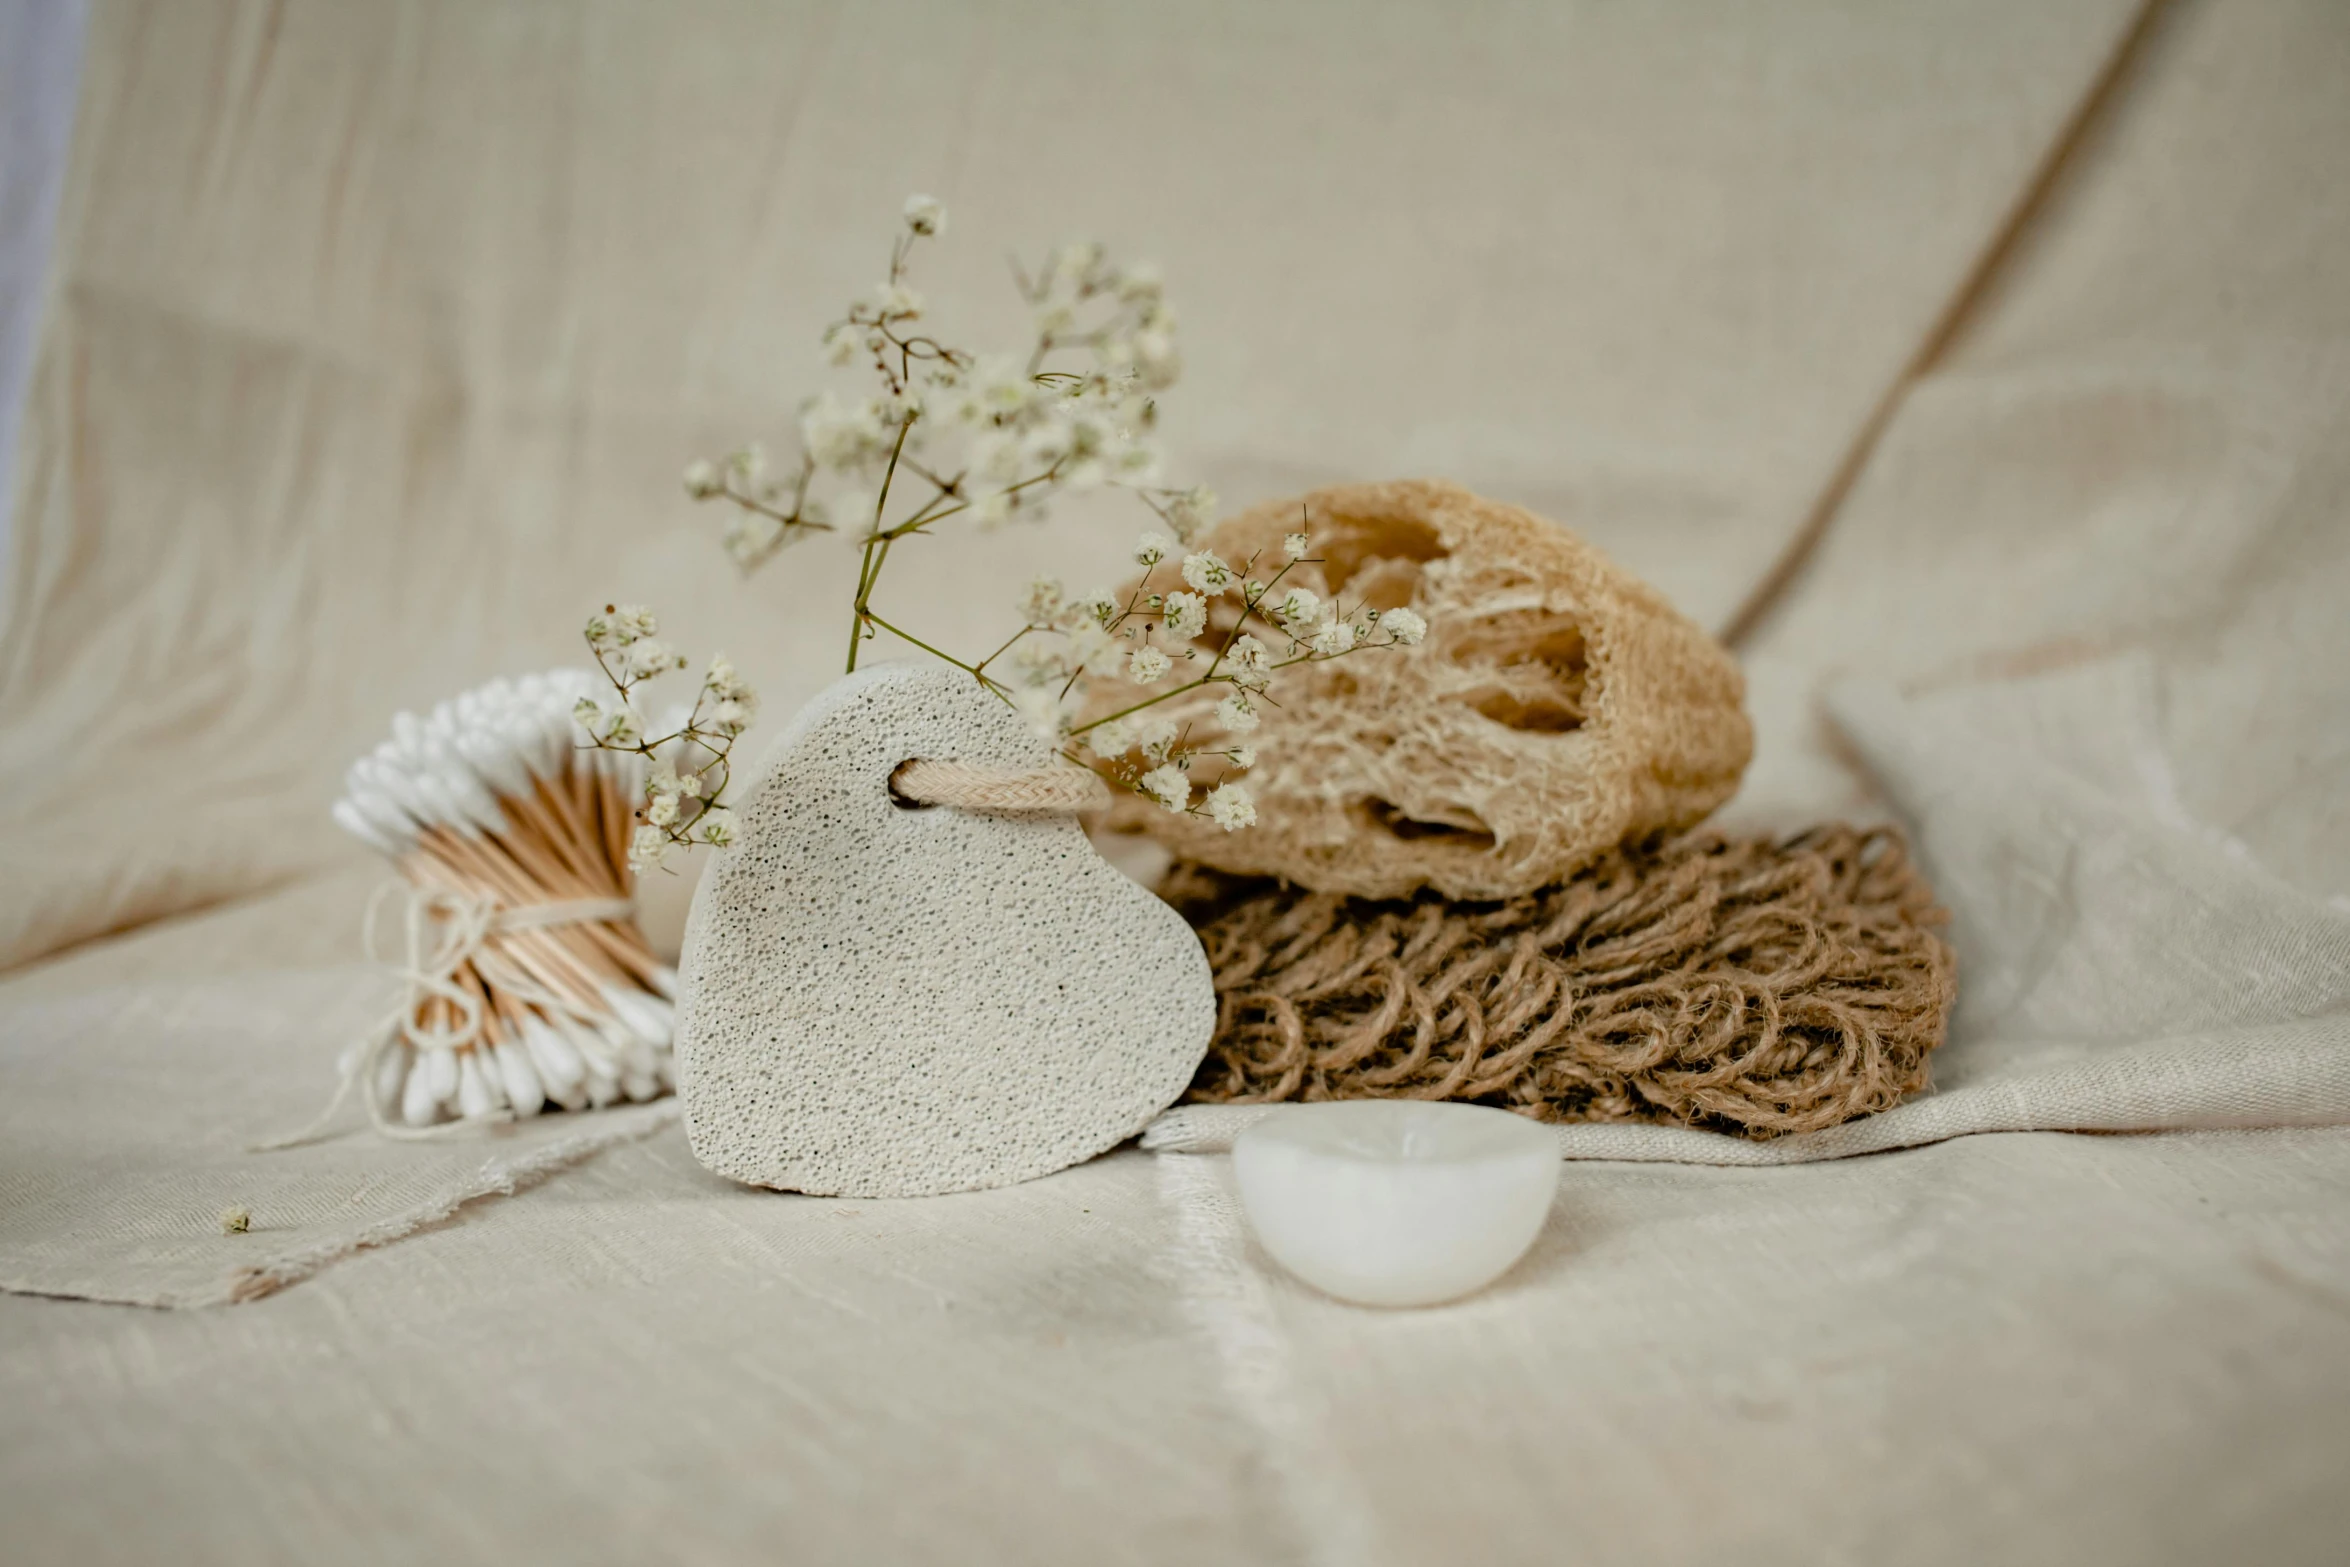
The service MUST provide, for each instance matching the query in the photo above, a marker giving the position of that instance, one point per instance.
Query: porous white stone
(880, 1001)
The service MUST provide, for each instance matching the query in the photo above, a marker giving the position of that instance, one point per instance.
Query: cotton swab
(495, 801)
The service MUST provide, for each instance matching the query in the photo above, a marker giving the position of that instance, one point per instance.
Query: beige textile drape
(377, 337)
(380, 333)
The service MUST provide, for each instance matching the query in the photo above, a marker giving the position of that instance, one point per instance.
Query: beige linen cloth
(376, 338)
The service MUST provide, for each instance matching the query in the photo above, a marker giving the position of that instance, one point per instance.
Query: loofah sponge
(885, 1000)
(1558, 707)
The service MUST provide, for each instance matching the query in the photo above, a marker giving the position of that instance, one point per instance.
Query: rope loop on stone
(975, 786)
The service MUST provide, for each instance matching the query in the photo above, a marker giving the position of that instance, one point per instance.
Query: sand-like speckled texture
(882, 1001)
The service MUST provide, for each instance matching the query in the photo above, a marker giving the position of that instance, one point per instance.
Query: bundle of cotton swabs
(530, 983)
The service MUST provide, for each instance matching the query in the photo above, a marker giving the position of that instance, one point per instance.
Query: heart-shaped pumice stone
(878, 1000)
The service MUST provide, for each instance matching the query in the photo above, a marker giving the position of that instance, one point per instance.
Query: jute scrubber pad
(1744, 986)
(1559, 706)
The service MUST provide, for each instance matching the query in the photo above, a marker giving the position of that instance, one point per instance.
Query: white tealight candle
(1396, 1202)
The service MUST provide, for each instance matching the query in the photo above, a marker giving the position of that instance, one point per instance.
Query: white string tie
(444, 930)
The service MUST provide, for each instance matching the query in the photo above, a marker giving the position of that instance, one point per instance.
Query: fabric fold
(127, 1127)
(2121, 968)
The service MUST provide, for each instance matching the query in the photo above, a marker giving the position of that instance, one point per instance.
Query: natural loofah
(1749, 987)
(881, 998)
(1558, 707)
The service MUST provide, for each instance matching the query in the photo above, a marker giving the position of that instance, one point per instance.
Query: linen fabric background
(1986, 366)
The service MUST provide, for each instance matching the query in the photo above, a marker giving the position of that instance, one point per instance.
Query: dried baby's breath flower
(1250, 662)
(1333, 637)
(1230, 806)
(686, 767)
(1207, 573)
(1041, 604)
(1040, 708)
(925, 216)
(1186, 615)
(844, 434)
(1152, 733)
(648, 849)
(940, 436)
(1140, 283)
(652, 656)
(1147, 665)
(1168, 785)
(893, 301)
(1191, 511)
(618, 725)
(752, 537)
(1091, 648)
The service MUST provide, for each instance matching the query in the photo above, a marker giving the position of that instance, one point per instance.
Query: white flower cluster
(940, 433)
(1202, 635)
(945, 432)
(689, 760)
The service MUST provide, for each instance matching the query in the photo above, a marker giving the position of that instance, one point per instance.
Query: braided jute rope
(973, 786)
(1750, 986)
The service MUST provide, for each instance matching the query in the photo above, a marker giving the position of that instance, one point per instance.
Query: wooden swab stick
(510, 884)
(554, 960)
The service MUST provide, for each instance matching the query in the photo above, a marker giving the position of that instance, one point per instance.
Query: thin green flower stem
(1151, 701)
(925, 517)
(1185, 690)
(1211, 677)
(1115, 622)
(790, 519)
(857, 617)
(1230, 637)
(869, 570)
(1006, 648)
(1249, 607)
(968, 669)
(880, 559)
(948, 486)
(648, 747)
